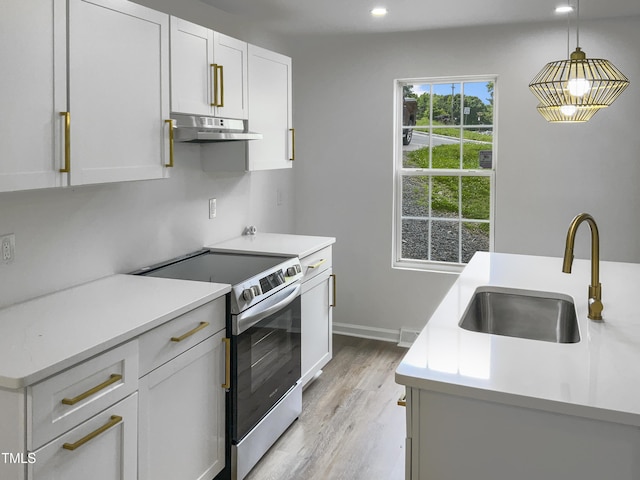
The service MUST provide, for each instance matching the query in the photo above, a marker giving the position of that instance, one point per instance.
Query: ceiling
(342, 16)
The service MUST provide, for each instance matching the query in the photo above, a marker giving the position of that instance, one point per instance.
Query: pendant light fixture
(573, 90)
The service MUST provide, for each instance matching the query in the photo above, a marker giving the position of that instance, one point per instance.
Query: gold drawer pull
(190, 332)
(115, 419)
(112, 379)
(402, 401)
(317, 264)
(227, 363)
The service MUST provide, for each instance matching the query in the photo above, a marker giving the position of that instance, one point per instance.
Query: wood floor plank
(351, 427)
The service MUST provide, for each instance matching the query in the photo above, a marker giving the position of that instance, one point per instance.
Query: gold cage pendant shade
(574, 90)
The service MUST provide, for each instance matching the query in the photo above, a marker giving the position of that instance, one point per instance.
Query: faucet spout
(595, 289)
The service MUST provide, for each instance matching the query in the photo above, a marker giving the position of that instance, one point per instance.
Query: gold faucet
(595, 289)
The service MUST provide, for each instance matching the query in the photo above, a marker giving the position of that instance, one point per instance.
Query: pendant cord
(568, 36)
(577, 23)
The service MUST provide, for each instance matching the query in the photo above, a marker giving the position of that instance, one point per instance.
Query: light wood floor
(351, 427)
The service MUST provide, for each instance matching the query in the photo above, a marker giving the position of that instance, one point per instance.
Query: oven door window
(268, 365)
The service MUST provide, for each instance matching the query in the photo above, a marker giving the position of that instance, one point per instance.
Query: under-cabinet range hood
(200, 129)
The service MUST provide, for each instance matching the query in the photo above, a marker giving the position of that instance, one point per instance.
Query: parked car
(409, 111)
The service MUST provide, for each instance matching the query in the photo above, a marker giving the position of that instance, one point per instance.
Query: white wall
(546, 174)
(72, 235)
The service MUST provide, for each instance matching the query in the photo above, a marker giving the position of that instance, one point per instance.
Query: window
(444, 171)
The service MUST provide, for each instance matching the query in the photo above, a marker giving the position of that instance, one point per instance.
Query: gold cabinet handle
(67, 142)
(333, 276)
(190, 332)
(115, 419)
(227, 363)
(293, 144)
(218, 100)
(317, 264)
(221, 104)
(214, 74)
(112, 379)
(402, 401)
(170, 123)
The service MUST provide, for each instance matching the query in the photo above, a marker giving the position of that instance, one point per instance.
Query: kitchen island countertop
(596, 378)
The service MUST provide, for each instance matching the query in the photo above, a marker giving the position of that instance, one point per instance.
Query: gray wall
(72, 235)
(546, 173)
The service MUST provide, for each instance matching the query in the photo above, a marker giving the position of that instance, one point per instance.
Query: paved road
(421, 140)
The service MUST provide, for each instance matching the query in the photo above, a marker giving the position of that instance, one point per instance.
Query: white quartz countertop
(598, 377)
(43, 336)
(274, 244)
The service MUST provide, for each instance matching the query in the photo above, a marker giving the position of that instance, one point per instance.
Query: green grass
(475, 190)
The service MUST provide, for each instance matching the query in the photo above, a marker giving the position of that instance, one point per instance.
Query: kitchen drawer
(67, 399)
(316, 263)
(103, 447)
(169, 340)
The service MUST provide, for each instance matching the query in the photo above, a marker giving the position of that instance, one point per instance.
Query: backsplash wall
(68, 236)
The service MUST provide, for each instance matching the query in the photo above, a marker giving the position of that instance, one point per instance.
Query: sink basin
(549, 317)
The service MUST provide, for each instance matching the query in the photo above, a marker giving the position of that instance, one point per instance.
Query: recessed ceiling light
(379, 12)
(564, 9)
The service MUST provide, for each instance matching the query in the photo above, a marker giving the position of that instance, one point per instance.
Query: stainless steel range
(264, 392)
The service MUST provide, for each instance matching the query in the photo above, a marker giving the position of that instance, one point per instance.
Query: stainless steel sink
(542, 316)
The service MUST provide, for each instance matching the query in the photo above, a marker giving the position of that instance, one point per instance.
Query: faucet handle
(595, 309)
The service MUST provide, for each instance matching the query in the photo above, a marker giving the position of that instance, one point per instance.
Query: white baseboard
(403, 337)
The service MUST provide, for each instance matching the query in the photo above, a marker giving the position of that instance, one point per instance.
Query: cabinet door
(316, 324)
(269, 76)
(32, 93)
(118, 91)
(182, 420)
(230, 56)
(191, 70)
(104, 448)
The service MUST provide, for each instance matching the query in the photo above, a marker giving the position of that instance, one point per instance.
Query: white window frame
(399, 172)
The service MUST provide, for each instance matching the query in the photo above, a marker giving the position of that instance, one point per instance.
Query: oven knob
(256, 290)
(248, 294)
(291, 272)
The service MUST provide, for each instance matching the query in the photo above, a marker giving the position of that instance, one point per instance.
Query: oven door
(266, 347)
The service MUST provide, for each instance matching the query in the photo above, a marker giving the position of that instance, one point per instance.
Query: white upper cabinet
(118, 92)
(208, 72)
(270, 111)
(32, 93)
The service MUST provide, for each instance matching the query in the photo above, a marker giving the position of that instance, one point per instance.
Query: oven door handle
(262, 310)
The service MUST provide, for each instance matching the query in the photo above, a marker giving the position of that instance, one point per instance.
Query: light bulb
(568, 110)
(578, 87)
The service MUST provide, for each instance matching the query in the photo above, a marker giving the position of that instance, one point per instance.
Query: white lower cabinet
(102, 448)
(317, 302)
(182, 415)
(152, 408)
(317, 324)
(458, 437)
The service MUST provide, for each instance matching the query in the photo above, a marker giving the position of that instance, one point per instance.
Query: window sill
(426, 266)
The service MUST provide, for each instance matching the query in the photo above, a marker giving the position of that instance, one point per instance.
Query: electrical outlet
(8, 247)
(212, 208)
